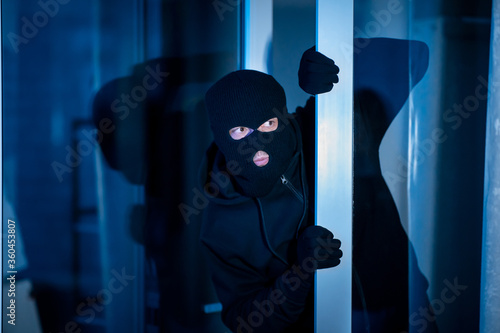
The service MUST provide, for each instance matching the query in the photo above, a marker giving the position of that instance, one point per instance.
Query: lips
(261, 158)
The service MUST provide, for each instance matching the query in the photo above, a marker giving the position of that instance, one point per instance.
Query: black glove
(316, 244)
(317, 72)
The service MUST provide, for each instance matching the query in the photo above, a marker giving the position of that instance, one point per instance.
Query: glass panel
(420, 76)
(446, 157)
(381, 248)
(104, 129)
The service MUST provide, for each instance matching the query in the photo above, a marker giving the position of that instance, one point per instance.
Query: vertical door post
(334, 38)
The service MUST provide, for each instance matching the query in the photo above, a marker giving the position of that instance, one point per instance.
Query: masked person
(257, 230)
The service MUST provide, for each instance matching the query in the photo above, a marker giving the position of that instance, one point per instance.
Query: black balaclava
(250, 98)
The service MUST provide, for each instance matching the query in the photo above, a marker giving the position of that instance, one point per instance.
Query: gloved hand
(317, 244)
(317, 72)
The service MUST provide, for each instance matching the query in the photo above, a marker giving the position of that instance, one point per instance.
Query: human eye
(269, 125)
(239, 132)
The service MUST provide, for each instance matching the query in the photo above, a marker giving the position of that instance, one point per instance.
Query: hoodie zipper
(292, 188)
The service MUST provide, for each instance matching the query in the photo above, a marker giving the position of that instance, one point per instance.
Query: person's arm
(254, 302)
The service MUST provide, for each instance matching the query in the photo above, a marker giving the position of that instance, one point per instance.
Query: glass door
(104, 129)
(418, 162)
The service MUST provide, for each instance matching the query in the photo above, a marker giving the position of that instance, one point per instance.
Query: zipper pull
(284, 180)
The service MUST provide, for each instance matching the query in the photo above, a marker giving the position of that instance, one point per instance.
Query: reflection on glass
(104, 130)
(436, 178)
(381, 250)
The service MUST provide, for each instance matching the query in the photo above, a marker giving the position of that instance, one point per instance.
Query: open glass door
(420, 83)
(103, 131)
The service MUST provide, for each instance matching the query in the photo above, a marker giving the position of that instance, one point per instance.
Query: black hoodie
(251, 246)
